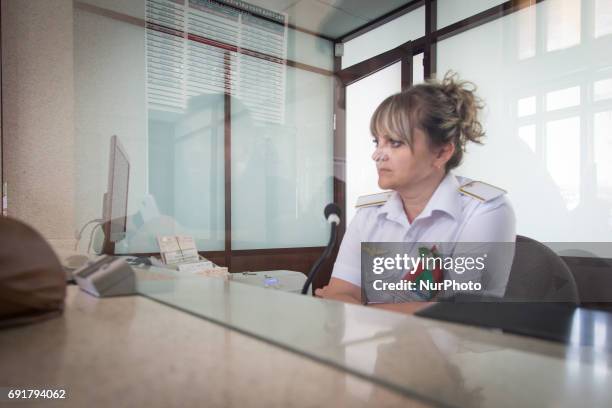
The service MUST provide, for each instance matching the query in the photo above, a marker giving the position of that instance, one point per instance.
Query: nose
(379, 155)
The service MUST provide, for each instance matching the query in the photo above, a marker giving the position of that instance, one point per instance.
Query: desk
(135, 351)
(437, 362)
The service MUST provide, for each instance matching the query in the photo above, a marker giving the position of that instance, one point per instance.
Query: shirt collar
(444, 199)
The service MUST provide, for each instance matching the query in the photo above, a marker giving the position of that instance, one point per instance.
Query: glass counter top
(441, 363)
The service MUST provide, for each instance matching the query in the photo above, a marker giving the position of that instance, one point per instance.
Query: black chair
(538, 274)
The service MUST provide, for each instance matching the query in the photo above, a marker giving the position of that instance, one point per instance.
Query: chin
(385, 185)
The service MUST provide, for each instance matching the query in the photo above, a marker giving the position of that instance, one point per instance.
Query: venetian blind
(214, 46)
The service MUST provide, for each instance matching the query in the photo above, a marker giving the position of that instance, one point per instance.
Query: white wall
(38, 115)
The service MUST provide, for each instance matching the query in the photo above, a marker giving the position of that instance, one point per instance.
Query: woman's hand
(344, 291)
(341, 290)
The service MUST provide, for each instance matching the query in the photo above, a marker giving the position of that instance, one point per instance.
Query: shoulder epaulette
(371, 200)
(481, 191)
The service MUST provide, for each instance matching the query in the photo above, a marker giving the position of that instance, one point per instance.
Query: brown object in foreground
(32, 280)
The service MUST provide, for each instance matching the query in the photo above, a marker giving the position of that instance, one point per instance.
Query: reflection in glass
(282, 171)
(527, 33)
(505, 79)
(563, 98)
(602, 129)
(528, 135)
(526, 106)
(600, 334)
(603, 18)
(186, 178)
(602, 89)
(562, 23)
(563, 157)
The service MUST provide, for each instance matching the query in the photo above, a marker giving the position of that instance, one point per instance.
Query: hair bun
(466, 104)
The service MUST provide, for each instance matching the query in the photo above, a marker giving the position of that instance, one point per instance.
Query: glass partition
(309, 49)
(109, 99)
(548, 108)
(224, 112)
(451, 11)
(282, 173)
(408, 27)
(362, 99)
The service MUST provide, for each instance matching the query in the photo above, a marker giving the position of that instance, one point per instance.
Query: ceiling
(331, 18)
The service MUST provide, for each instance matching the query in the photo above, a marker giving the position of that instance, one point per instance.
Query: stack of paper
(177, 249)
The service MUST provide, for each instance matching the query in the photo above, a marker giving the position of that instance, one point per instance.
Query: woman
(419, 137)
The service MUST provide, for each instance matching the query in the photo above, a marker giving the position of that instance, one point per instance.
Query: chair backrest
(539, 274)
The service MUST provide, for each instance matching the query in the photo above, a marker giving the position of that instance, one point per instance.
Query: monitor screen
(116, 198)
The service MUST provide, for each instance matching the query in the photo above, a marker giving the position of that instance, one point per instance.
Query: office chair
(539, 274)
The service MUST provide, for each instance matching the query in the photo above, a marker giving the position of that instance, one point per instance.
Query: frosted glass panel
(167, 96)
(187, 178)
(554, 104)
(418, 70)
(362, 99)
(451, 11)
(408, 27)
(310, 49)
(282, 174)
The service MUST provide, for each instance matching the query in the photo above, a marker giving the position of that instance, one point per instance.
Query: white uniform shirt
(448, 218)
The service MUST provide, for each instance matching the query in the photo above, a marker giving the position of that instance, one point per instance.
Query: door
(366, 85)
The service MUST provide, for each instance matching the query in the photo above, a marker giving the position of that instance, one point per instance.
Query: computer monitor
(116, 196)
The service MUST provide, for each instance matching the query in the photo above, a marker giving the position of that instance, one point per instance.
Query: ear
(444, 154)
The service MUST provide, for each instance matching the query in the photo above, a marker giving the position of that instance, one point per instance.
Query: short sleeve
(348, 262)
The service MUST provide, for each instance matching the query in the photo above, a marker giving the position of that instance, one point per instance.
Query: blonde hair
(447, 111)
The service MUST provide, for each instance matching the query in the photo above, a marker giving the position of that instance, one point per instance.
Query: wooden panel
(365, 68)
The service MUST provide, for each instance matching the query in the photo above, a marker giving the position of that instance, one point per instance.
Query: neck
(415, 197)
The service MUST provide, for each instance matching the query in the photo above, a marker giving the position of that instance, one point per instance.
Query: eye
(396, 143)
(375, 141)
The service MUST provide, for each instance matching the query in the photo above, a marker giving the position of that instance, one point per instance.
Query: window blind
(214, 46)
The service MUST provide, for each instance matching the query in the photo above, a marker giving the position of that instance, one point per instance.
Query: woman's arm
(344, 291)
(341, 290)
